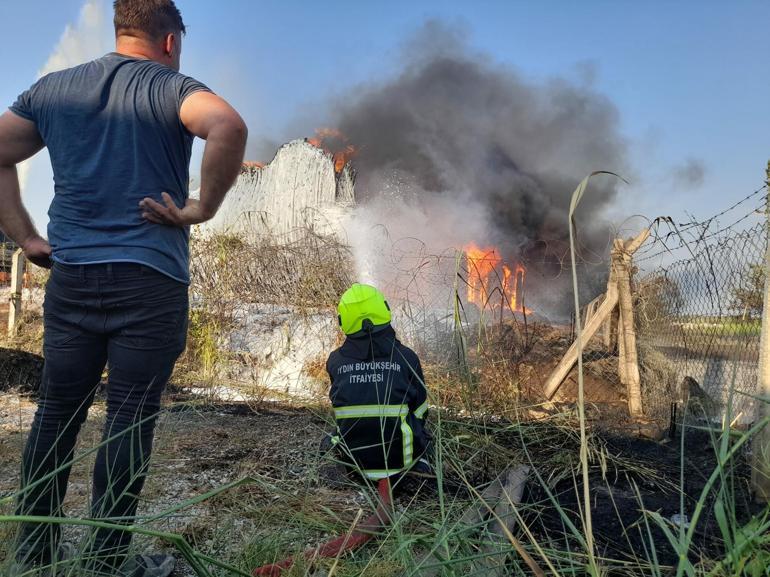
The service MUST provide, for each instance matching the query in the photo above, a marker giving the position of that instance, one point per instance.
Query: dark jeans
(134, 320)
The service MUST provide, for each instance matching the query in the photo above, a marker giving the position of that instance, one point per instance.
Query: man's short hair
(151, 18)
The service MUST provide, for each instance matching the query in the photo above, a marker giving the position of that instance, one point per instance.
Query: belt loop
(82, 270)
(110, 277)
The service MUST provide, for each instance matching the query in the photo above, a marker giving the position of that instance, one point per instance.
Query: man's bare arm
(209, 117)
(19, 140)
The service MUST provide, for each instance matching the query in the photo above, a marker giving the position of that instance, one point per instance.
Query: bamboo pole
(17, 283)
(760, 470)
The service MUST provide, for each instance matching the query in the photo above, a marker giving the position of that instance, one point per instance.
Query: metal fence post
(17, 283)
(760, 471)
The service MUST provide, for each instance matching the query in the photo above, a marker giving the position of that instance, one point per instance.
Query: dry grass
(658, 378)
(29, 333)
(315, 369)
(307, 273)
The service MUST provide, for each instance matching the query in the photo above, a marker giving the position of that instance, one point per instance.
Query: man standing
(119, 131)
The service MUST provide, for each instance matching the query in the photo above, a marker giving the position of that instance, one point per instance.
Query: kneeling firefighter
(379, 401)
(377, 391)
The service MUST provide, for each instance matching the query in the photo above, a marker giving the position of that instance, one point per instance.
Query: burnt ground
(646, 476)
(202, 446)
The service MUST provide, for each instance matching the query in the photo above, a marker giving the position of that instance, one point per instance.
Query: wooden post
(616, 262)
(610, 327)
(592, 307)
(489, 521)
(622, 365)
(570, 358)
(760, 470)
(17, 283)
(495, 535)
(628, 360)
(600, 317)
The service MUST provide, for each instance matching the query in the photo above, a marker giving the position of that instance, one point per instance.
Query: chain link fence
(698, 304)
(7, 248)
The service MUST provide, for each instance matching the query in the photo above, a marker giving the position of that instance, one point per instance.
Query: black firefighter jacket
(380, 403)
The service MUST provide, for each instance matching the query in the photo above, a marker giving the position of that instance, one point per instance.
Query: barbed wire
(732, 207)
(680, 230)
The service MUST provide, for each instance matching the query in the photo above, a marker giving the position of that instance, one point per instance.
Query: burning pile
(302, 189)
(454, 147)
(334, 142)
(488, 276)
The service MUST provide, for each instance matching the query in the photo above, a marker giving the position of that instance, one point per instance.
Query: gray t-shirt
(113, 132)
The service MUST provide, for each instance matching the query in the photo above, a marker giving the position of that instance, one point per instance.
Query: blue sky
(689, 78)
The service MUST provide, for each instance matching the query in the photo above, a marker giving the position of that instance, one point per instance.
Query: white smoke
(410, 224)
(23, 170)
(79, 43)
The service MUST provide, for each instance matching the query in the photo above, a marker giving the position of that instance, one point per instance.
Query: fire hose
(364, 532)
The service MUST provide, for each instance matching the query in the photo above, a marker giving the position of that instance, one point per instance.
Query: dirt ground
(196, 450)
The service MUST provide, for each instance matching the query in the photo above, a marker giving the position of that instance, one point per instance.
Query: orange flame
(513, 281)
(484, 278)
(481, 264)
(252, 164)
(333, 141)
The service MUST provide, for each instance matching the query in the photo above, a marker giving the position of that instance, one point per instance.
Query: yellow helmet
(362, 306)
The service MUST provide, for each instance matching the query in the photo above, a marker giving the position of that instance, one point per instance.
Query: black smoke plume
(456, 128)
